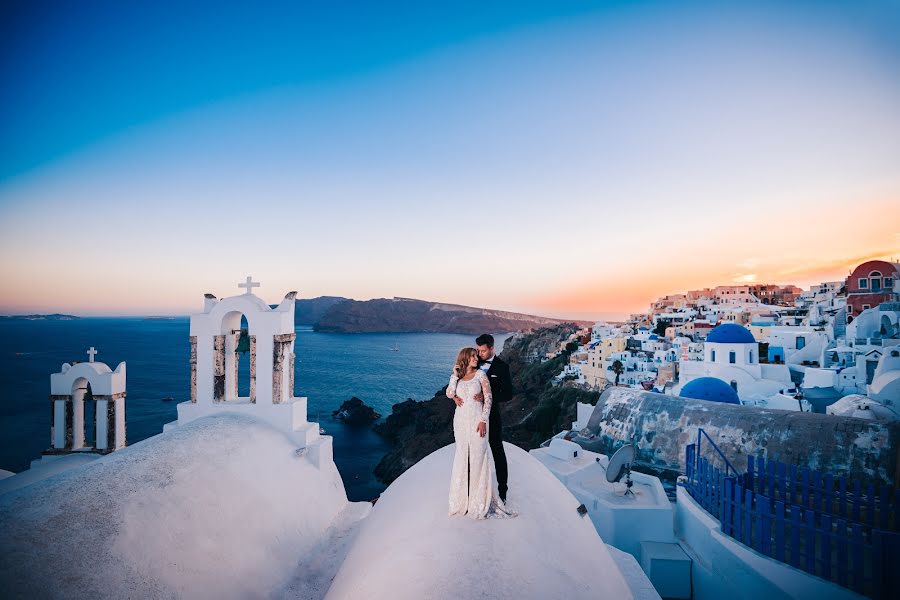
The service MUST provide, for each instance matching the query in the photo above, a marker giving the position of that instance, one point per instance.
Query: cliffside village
(833, 348)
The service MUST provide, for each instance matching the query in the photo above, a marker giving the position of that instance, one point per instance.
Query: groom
(501, 390)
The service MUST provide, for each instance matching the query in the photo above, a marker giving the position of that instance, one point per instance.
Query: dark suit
(501, 390)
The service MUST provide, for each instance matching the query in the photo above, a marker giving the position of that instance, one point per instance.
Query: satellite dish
(620, 466)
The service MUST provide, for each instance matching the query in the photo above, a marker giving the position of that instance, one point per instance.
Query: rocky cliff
(406, 315)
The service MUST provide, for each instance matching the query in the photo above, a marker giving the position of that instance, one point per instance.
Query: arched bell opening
(83, 415)
(235, 376)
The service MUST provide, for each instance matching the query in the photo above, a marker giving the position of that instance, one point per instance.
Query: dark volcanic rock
(415, 430)
(536, 412)
(356, 412)
(403, 315)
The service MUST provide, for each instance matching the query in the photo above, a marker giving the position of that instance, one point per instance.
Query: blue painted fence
(838, 530)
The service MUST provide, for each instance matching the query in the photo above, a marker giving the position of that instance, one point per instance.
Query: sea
(381, 369)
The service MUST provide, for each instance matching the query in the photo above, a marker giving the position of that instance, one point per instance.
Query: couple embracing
(478, 480)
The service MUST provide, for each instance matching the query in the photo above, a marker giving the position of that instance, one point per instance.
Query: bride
(473, 481)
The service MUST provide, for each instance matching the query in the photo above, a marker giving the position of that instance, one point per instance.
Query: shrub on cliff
(533, 378)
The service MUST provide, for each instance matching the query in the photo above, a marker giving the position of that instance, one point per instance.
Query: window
(801, 342)
(875, 278)
(849, 309)
(732, 358)
(734, 385)
(866, 307)
(712, 355)
(863, 283)
(751, 356)
(888, 283)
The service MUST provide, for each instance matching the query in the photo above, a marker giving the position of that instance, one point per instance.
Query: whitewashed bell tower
(69, 410)
(215, 333)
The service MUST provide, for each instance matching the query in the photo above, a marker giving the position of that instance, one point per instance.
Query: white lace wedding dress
(473, 480)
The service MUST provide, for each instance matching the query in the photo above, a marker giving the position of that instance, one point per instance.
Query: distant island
(334, 314)
(53, 317)
(405, 315)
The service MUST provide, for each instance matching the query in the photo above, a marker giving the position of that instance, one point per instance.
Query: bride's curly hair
(462, 360)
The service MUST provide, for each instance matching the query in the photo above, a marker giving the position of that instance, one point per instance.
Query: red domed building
(870, 284)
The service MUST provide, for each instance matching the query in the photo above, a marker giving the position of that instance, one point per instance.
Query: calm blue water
(330, 368)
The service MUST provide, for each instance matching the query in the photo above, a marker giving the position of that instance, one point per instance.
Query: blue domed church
(731, 359)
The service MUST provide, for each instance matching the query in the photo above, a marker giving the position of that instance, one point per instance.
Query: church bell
(243, 343)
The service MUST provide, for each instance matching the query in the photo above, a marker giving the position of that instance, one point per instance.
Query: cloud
(839, 266)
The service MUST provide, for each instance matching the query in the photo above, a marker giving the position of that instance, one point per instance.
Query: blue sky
(368, 150)
(83, 71)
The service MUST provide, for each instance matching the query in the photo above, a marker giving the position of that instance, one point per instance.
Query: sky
(572, 159)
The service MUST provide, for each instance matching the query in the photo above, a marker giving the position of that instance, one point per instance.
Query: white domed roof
(220, 507)
(410, 548)
(861, 407)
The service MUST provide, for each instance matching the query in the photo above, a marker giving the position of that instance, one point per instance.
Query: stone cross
(250, 284)
(92, 353)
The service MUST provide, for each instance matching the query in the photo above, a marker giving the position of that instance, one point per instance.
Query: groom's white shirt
(486, 366)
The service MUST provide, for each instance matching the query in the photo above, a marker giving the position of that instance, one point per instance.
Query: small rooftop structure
(622, 520)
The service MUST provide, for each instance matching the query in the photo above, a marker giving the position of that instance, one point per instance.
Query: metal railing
(838, 530)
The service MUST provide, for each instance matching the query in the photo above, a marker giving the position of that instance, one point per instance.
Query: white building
(875, 327)
(602, 329)
(797, 345)
(687, 349)
(885, 384)
(732, 355)
(638, 367)
(675, 316)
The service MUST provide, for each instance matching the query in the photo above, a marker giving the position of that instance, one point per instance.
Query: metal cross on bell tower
(249, 285)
